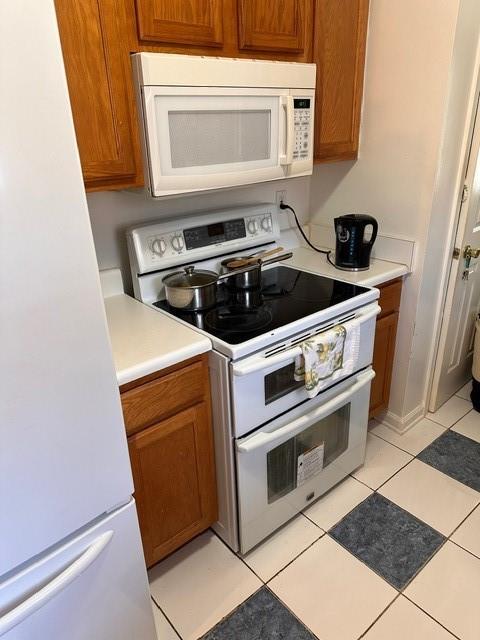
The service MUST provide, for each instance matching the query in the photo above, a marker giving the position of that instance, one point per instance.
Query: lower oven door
(288, 463)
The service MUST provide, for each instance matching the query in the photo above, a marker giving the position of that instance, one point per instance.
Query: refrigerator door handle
(55, 586)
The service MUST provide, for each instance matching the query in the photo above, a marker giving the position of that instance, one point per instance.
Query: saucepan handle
(284, 256)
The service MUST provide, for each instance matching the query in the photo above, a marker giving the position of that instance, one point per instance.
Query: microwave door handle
(287, 108)
(261, 362)
(300, 424)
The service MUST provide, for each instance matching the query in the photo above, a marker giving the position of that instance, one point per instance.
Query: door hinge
(456, 253)
(464, 193)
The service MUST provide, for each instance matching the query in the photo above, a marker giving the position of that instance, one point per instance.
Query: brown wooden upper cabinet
(101, 92)
(281, 26)
(194, 22)
(339, 52)
(99, 35)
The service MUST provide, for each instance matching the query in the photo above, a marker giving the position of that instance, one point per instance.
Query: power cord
(282, 205)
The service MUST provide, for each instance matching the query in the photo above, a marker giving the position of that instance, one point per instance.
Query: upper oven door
(263, 386)
(286, 464)
(210, 137)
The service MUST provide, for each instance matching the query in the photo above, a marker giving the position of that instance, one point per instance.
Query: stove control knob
(252, 226)
(159, 246)
(177, 243)
(267, 223)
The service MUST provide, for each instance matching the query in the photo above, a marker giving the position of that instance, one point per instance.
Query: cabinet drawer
(164, 396)
(390, 295)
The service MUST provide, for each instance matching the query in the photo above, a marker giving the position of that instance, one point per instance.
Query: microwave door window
(209, 135)
(206, 138)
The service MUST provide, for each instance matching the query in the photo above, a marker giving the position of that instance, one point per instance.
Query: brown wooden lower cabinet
(384, 348)
(173, 466)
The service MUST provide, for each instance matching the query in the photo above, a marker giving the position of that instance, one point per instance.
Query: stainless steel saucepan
(195, 289)
(253, 277)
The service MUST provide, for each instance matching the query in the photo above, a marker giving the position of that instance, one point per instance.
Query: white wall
(410, 49)
(112, 212)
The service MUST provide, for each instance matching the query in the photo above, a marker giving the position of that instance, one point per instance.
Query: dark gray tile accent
(388, 539)
(261, 617)
(455, 455)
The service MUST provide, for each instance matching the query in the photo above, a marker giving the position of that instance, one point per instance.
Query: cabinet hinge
(464, 193)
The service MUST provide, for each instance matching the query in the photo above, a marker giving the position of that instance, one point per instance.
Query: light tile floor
(320, 576)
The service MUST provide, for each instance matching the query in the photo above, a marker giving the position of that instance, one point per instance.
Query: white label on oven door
(309, 464)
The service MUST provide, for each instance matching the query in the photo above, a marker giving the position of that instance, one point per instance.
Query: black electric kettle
(352, 251)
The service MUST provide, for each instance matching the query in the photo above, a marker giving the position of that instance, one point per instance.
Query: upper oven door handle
(263, 438)
(261, 362)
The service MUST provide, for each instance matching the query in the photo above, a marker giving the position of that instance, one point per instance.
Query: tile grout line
(396, 472)
(431, 617)
(292, 612)
(324, 533)
(455, 422)
(405, 450)
(399, 595)
(165, 616)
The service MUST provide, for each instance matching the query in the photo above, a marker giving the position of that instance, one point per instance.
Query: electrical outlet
(280, 196)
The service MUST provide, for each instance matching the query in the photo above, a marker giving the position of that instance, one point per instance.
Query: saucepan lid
(190, 278)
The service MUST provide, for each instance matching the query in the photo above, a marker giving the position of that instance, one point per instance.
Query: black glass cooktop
(286, 295)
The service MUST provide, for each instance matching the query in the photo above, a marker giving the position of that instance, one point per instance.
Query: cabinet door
(339, 51)
(383, 353)
(174, 477)
(197, 22)
(281, 26)
(101, 92)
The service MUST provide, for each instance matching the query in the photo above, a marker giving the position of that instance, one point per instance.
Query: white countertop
(380, 270)
(144, 340)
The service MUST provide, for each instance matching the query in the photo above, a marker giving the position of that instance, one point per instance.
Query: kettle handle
(374, 224)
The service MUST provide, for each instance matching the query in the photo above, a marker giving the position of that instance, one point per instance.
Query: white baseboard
(402, 424)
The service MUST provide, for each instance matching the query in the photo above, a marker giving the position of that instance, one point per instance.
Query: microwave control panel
(303, 127)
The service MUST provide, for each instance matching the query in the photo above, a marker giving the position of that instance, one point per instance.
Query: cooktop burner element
(235, 319)
(287, 295)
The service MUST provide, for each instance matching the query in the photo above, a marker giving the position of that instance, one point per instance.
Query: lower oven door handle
(261, 362)
(298, 425)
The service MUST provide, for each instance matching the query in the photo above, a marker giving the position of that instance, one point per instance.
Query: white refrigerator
(71, 562)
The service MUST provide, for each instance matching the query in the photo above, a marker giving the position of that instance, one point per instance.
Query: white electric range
(267, 430)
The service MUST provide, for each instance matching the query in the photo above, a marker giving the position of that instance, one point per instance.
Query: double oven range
(276, 449)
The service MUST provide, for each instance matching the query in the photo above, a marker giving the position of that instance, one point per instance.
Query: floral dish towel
(328, 356)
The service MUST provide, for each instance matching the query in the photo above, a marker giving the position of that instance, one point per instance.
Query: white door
(453, 366)
(92, 588)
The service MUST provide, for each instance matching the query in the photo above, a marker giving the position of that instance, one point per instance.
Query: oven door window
(280, 383)
(295, 461)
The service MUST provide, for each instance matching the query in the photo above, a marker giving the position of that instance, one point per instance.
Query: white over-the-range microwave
(210, 123)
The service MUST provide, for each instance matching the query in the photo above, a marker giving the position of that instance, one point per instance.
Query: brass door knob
(469, 252)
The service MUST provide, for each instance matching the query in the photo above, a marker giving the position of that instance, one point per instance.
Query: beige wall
(111, 213)
(410, 49)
